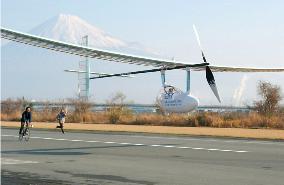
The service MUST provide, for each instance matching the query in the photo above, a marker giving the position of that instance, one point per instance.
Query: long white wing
(242, 69)
(84, 51)
(113, 56)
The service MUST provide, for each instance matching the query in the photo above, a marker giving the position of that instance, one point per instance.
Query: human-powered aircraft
(170, 98)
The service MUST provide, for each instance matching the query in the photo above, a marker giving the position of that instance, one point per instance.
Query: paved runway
(138, 159)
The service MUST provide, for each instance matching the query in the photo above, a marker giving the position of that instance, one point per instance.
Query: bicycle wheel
(27, 134)
(21, 135)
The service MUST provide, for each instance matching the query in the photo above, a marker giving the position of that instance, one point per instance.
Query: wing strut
(152, 70)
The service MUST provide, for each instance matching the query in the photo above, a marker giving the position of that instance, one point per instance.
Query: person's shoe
(58, 126)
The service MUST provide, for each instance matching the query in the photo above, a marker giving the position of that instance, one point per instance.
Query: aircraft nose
(195, 102)
(192, 103)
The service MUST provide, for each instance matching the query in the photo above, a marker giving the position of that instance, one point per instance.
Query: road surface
(51, 157)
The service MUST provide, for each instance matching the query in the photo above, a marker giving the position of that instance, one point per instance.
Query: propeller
(209, 74)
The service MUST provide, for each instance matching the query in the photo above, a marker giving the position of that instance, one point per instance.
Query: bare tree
(116, 107)
(10, 106)
(270, 94)
(81, 109)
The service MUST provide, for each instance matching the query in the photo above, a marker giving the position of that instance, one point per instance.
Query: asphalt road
(51, 157)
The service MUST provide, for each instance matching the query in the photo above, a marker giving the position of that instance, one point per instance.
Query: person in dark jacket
(26, 118)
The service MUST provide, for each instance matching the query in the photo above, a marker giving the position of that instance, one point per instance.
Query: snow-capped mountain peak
(70, 28)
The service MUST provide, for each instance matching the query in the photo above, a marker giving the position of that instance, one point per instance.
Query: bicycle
(25, 132)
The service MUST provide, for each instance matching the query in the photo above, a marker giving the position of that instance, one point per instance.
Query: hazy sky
(233, 32)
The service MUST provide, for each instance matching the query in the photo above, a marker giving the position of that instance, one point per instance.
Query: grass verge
(198, 131)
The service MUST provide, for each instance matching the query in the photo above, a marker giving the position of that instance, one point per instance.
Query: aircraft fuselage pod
(173, 100)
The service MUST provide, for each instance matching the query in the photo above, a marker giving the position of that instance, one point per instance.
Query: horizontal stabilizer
(96, 73)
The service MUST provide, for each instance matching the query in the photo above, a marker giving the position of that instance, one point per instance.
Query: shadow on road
(60, 151)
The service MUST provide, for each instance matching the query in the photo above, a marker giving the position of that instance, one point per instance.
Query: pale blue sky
(166, 25)
(233, 32)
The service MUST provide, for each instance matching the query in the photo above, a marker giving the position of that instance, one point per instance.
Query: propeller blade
(197, 36)
(212, 83)
(199, 43)
(209, 74)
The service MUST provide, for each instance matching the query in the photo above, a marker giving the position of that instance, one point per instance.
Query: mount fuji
(71, 29)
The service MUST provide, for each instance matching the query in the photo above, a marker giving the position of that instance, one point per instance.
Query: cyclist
(61, 119)
(26, 118)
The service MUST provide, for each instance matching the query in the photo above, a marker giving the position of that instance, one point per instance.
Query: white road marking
(169, 146)
(35, 137)
(198, 148)
(226, 150)
(135, 144)
(213, 149)
(213, 140)
(264, 143)
(184, 147)
(110, 142)
(124, 143)
(76, 140)
(155, 145)
(240, 151)
(138, 144)
(55, 139)
(7, 161)
(231, 141)
(10, 136)
(93, 141)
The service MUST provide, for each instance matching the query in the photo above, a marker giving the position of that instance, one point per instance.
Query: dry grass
(206, 131)
(11, 111)
(217, 120)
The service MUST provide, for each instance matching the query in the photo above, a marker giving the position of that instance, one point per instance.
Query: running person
(61, 119)
(26, 118)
